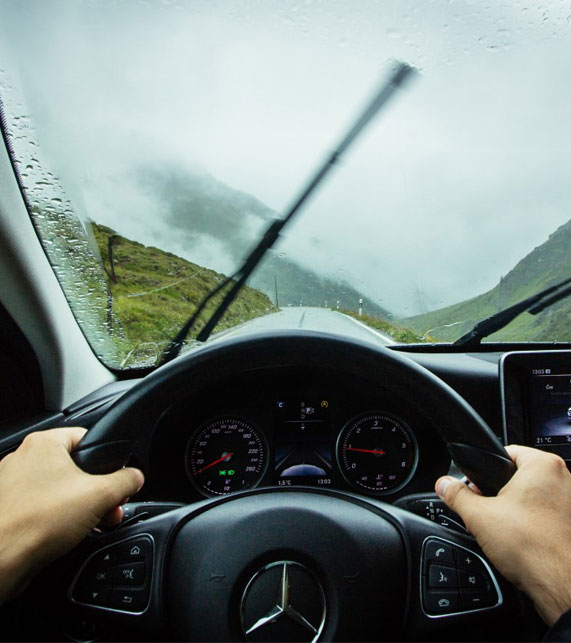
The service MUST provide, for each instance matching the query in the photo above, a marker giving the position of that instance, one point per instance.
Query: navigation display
(303, 450)
(550, 410)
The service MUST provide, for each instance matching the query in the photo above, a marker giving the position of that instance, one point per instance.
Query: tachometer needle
(374, 451)
(224, 457)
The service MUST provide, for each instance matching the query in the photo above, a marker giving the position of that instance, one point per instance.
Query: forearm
(18, 550)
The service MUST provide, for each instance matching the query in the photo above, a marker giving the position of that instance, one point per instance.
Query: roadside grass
(399, 333)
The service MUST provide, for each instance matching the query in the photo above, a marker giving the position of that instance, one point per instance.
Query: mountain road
(306, 318)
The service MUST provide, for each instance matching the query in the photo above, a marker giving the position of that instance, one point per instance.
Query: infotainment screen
(551, 410)
(537, 400)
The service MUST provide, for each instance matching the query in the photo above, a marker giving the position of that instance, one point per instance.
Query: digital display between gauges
(377, 452)
(226, 455)
(302, 442)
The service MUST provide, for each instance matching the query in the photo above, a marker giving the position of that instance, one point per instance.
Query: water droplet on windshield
(282, 255)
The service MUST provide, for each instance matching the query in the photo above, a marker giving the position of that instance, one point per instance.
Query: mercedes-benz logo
(283, 601)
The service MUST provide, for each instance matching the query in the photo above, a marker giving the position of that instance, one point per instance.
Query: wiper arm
(534, 304)
(272, 234)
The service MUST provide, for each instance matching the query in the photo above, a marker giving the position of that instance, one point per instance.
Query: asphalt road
(320, 319)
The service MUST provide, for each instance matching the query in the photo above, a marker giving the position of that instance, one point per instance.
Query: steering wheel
(283, 564)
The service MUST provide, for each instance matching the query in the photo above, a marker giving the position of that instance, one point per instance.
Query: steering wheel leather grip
(472, 461)
(103, 458)
(110, 443)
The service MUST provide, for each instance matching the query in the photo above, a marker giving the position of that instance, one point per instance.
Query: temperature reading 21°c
(377, 453)
(225, 455)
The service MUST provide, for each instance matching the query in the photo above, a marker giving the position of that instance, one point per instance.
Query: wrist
(550, 592)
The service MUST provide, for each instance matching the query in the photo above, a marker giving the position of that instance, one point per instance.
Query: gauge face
(225, 455)
(377, 452)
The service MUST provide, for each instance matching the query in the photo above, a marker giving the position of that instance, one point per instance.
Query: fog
(463, 174)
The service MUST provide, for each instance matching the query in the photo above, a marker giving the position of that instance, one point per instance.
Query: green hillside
(545, 266)
(154, 292)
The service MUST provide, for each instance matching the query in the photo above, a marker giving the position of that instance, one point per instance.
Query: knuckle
(7, 458)
(558, 464)
(32, 440)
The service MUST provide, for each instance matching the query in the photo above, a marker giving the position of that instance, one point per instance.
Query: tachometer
(225, 455)
(377, 453)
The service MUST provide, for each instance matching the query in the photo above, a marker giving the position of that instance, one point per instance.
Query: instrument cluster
(375, 452)
(337, 438)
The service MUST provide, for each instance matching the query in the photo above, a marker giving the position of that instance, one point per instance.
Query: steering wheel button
(478, 600)
(469, 562)
(472, 581)
(439, 551)
(95, 575)
(134, 550)
(442, 577)
(92, 595)
(129, 600)
(131, 574)
(442, 602)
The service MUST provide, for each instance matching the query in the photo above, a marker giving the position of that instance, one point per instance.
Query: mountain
(546, 265)
(201, 209)
(297, 285)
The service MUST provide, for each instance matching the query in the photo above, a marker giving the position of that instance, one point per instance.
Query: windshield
(156, 141)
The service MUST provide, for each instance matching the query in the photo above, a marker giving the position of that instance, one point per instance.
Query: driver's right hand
(526, 529)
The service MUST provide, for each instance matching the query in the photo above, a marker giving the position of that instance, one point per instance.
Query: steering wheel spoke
(118, 574)
(277, 564)
(453, 585)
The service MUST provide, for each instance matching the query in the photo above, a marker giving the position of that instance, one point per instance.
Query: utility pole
(276, 287)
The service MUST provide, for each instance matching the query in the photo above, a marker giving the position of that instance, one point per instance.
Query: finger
(526, 456)
(69, 436)
(112, 518)
(458, 497)
(121, 484)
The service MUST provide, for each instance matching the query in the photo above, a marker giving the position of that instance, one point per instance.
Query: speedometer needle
(375, 451)
(224, 457)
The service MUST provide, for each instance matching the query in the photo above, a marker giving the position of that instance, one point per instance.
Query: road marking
(385, 338)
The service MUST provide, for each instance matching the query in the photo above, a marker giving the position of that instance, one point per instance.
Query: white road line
(385, 338)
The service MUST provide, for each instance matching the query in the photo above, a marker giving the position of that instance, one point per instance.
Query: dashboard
(291, 428)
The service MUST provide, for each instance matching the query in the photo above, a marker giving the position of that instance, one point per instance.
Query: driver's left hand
(48, 505)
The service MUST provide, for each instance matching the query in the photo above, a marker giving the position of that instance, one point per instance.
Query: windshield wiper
(272, 234)
(534, 304)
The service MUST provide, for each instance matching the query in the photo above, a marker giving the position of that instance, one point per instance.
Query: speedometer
(377, 453)
(225, 455)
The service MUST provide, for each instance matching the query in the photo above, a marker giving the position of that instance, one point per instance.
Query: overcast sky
(465, 173)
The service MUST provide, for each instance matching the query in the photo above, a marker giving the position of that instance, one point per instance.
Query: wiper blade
(400, 74)
(534, 304)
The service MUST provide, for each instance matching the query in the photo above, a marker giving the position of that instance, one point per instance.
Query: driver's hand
(48, 505)
(526, 529)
